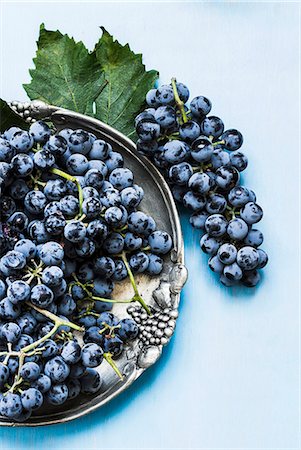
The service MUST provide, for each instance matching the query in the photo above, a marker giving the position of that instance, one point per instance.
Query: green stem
(179, 102)
(137, 296)
(217, 143)
(108, 358)
(72, 178)
(108, 300)
(57, 320)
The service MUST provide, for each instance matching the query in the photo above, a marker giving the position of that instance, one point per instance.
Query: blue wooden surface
(230, 376)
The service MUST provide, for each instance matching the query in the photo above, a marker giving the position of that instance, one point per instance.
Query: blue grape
(237, 229)
(160, 242)
(148, 130)
(10, 332)
(51, 253)
(139, 262)
(55, 224)
(212, 126)
(7, 152)
(104, 266)
(151, 99)
(164, 95)
(226, 177)
(42, 383)
(31, 398)
(219, 157)
(57, 394)
(57, 145)
(233, 272)
(232, 139)
(216, 225)
(263, 258)
(18, 291)
(175, 151)
(74, 388)
(40, 131)
(80, 142)
(44, 159)
(180, 173)
(57, 369)
(209, 244)
(128, 329)
(200, 106)
(215, 264)
(239, 161)
(114, 160)
(100, 150)
(194, 201)
(41, 295)
(227, 253)
(247, 258)
(22, 141)
(130, 198)
(71, 352)
(10, 405)
(183, 92)
(254, 238)
(30, 371)
(18, 189)
(77, 164)
(92, 355)
(121, 178)
(113, 345)
(189, 131)
(216, 203)
(19, 221)
(102, 287)
(22, 165)
(91, 207)
(155, 265)
(75, 231)
(35, 202)
(95, 178)
(198, 219)
(251, 213)
(200, 183)
(166, 116)
(239, 196)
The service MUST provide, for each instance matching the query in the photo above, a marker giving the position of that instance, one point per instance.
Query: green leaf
(109, 83)
(8, 118)
(127, 84)
(65, 73)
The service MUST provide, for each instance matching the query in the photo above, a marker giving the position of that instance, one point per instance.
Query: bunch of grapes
(202, 163)
(70, 229)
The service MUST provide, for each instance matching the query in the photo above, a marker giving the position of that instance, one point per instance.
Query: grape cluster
(202, 163)
(70, 229)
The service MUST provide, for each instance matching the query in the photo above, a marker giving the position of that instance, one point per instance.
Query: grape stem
(137, 297)
(108, 358)
(72, 178)
(179, 102)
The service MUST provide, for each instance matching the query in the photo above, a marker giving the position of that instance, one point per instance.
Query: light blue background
(230, 377)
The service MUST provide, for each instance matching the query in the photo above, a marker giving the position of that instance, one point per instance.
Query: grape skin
(202, 163)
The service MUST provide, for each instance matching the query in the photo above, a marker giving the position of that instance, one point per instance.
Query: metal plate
(161, 292)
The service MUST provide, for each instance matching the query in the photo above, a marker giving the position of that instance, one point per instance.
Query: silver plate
(161, 292)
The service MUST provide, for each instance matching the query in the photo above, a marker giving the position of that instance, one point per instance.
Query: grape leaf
(9, 118)
(127, 83)
(109, 83)
(65, 73)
